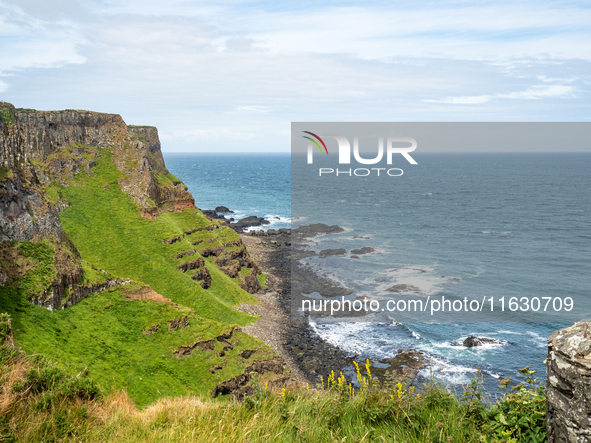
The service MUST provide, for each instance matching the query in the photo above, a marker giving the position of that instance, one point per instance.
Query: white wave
(539, 341)
(422, 277)
(315, 295)
(459, 348)
(285, 222)
(275, 218)
(509, 332)
(372, 339)
(447, 371)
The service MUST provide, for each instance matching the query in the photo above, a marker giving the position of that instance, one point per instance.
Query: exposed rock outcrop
(237, 385)
(251, 283)
(202, 275)
(364, 250)
(473, 341)
(568, 397)
(248, 222)
(39, 147)
(206, 345)
(193, 264)
(29, 137)
(24, 212)
(66, 291)
(326, 252)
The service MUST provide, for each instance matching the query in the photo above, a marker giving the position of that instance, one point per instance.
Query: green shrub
(520, 415)
(7, 113)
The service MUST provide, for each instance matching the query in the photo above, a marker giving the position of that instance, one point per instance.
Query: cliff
(42, 149)
(38, 146)
(92, 221)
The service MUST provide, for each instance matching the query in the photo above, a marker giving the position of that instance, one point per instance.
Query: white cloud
(254, 109)
(237, 74)
(211, 135)
(536, 92)
(540, 91)
(474, 100)
(28, 42)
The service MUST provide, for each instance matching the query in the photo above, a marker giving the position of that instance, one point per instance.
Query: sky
(230, 76)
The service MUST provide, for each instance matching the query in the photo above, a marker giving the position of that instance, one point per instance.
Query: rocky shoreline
(238, 225)
(277, 253)
(304, 351)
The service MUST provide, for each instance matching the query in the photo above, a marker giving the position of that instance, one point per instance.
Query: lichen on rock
(568, 398)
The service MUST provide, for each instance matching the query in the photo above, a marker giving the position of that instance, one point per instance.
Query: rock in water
(326, 252)
(403, 288)
(223, 209)
(364, 250)
(568, 392)
(248, 222)
(473, 341)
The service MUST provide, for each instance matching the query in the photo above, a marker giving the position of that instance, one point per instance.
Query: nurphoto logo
(394, 145)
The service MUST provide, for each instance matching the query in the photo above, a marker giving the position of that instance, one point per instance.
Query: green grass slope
(123, 343)
(107, 229)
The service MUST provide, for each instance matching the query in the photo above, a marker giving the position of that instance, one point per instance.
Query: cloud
(474, 100)
(210, 135)
(540, 91)
(28, 42)
(237, 73)
(253, 109)
(536, 92)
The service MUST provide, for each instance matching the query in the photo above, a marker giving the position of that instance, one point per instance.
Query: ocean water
(461, 224)
(248, 184)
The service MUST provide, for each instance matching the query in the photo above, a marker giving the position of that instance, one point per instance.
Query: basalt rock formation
(62, 142)
(41, 147)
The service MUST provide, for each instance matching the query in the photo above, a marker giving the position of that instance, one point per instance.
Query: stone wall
(568, 386)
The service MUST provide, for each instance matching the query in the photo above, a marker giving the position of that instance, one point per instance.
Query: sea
(505, 224)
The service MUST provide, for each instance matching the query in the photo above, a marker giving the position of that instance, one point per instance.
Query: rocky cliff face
(29, 137)
(568, 397)
(38, 148)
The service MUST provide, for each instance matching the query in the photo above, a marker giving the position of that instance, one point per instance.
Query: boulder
(223, 209)
(473, 341)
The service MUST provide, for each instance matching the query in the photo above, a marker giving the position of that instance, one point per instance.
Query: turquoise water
(249, 184)
(461, 224)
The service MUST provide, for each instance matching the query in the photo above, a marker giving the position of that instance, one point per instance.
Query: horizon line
(416, 152)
